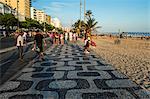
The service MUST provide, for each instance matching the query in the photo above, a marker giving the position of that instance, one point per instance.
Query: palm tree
(78, 26)
(91, 25)
(88, 14)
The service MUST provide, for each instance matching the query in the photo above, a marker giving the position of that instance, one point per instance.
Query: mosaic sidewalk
(68, 73)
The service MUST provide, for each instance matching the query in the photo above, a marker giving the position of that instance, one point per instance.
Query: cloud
(58, 6)
(61, 9)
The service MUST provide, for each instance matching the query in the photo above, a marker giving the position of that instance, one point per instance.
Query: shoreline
(111, 35)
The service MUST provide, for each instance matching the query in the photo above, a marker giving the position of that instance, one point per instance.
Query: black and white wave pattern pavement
(68, 73)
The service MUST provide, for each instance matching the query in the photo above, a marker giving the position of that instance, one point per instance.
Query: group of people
(62, 38)
(54, 38)
(39, 41)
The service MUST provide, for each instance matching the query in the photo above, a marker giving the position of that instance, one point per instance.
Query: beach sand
(131, 57)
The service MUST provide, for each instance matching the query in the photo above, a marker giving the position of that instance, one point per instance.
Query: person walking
(57, 38)
(74, 37)
(62, 38)
(25, 37)
(20, 43)
(38, 42)
(87, 45)
(66, 38)
(51, 35)
(70, 36)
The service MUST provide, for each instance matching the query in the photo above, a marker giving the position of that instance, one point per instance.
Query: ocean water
(134, 34)
(144, 34)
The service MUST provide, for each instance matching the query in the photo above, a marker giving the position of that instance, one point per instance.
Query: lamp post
(18, 15)
(80, 8)
(80, 17)
(80, 13)
(84, 9)
(44, 19)
(84, 16)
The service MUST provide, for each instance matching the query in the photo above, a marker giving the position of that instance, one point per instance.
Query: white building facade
(33, 13)
(56, 22)
(6, 9)
(41, 16)
(66, 29)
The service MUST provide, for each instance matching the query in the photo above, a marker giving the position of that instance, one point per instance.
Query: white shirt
(85, 42)
(19, 38)
(74, 35)
(66, 36)
(70, 36)
(25, 35)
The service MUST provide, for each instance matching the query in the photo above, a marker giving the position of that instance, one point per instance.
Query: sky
(112, 15)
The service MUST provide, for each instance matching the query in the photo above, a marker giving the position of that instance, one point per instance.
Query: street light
(44, 19)
(84, 9)
(80, 8)
(80, 17)
(18, 15)
(84, 14)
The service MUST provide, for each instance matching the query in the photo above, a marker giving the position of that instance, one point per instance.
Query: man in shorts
(38, 42)
(20, 43)
(66, 38)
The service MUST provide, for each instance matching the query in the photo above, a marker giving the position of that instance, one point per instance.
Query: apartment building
(22, 6)
(56, 22)
(41, 16)
(33, 13)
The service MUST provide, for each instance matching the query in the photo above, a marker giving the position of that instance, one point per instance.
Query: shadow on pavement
(16, 66)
